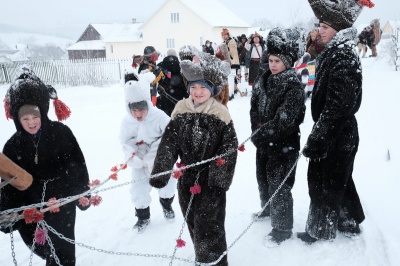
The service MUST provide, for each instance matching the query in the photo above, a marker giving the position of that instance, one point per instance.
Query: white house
(390, 28)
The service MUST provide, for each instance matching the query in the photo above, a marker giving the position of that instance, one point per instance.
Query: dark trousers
(271, 169)
(64, 223)
(254, 68)
(333, 195)
(205, 221)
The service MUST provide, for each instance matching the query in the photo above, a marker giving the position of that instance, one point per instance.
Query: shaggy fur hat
(196, 65)
(28, 89)
(285, 44)
(138, 90)
(338, 14)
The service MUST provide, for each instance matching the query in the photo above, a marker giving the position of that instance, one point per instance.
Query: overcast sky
(74, 15)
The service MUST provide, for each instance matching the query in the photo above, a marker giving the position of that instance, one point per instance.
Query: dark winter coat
(62, 165)
(171, 88)
(336, 97)
(277, 106)
(194, 135)
(209, 49)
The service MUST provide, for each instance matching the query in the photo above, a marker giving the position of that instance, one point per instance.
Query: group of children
(198, 129)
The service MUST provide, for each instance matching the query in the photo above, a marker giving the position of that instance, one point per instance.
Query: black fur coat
(336, 97)
(277, 106)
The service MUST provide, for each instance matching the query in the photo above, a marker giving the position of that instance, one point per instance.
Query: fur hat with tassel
(28, 89)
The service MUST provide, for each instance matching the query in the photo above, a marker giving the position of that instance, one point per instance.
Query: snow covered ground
(95, 120)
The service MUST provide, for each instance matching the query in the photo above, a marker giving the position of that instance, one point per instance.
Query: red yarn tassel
(366, 3)
(7, 108)
(62, 110)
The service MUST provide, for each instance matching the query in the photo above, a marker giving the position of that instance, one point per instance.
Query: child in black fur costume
(49, 151)
(277, 109)
(201, 128)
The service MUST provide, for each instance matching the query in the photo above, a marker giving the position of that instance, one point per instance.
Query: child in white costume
(141, 132)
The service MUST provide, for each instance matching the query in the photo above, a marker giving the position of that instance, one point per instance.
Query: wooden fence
(94, 72)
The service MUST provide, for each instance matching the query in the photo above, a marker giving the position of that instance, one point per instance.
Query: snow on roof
(394, 24)
(215, 13)
(124, 33)
(87, 45)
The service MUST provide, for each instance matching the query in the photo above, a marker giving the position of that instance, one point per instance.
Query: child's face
(199, 93)
(30, 123)
(139, 114)
(327, 33)
(276, 65)
(314, 34)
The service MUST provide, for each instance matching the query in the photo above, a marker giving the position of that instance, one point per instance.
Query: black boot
(349, 230)
(143, 219)
(276, 237)
(304, 236)
(166, 204)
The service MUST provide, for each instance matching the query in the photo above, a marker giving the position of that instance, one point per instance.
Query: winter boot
(276, 237)
(350, 230)
(257, 216)
(167, 208)
(304, 236)
(143, 220)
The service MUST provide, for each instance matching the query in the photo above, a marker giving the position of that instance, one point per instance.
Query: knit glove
(159, 181)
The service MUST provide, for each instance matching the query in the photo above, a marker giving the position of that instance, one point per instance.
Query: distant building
(390, 28)
(174, 24)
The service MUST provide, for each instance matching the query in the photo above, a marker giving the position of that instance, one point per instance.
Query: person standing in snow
(255, 48)
(234, 59)
(200, 129)
(140, 135)
(171, 87)
(207, 48)
(49, 151)
(333, 142)
(277, 109)
(314, 45)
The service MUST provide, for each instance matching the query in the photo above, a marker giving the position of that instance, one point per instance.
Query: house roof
(212, 12)
(394, 24)
(87, 45)
(124, 33)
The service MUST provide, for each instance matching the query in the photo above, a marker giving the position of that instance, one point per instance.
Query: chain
(12, 246)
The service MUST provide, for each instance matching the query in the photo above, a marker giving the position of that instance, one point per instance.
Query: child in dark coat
(200, 129)
(49, 151)
(277, 109)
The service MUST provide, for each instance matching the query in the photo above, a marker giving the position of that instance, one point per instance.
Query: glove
(315, 149)
(159, 181)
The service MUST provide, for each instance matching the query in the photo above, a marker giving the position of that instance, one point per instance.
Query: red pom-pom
(33, 216)
(94, 183)
(40, 236)
(241, 148)
(114, 176)
(169, 75)
(53, 204)
(196, 189)
(220, 161)
(181, 165)
(114, 169)
(177, 174)
(154, 57)
(7, 108)
(62, 110)
(95, 200)
(366, 3)
(180, 243)
(84, 201)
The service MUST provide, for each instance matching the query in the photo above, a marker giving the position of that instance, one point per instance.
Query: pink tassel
(40, 236)
(180, 243)
(95, 200)
(7, 108)
(84, 202)
(220, 161)
(62, 110)
(196, 189)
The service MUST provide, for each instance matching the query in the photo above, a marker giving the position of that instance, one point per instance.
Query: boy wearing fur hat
(201, 128)
(49, 151)
(333, 142)
(277, 109)
(141, 131)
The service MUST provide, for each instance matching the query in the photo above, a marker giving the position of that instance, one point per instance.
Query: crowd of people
(189, 120)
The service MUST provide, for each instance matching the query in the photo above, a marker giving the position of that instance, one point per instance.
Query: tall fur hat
(338, 14)
(196, 65)
(287, 44)
(28, 89)
(138, 88)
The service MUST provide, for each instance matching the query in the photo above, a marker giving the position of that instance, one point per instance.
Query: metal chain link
(12, 247)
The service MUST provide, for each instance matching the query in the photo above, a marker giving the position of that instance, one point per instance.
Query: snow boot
(257, 216)
(143, 220)
(350, 230)
(167, 208)
(276, 237)
(304, 236)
